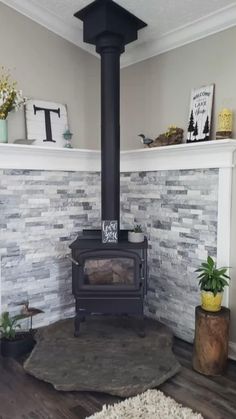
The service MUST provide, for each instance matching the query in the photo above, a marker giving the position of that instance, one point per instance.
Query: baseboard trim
(232, 350)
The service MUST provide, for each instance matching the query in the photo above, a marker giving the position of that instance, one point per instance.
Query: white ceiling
(171, 23)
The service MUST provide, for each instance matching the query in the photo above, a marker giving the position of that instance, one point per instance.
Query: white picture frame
(200, 115)
(46, 122)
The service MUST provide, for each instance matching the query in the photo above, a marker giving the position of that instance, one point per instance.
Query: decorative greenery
(137, 229)
(172, 130)
(8, 325)
(211, 278)
(10, 97)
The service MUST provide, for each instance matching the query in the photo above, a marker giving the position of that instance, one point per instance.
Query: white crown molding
(50, 21)
(209, 154)
(215, 22)
(209, 25)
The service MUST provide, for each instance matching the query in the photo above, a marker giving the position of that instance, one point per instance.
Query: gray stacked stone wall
(178, 210)
(42, 212)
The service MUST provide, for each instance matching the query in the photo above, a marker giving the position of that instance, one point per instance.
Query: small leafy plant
(211, 278)
(137, 229)
(8, 325)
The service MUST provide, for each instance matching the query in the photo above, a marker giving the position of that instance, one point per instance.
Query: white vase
(3, 131)
(135, 237)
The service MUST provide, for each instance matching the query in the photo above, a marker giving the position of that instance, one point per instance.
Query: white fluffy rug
(152, 404)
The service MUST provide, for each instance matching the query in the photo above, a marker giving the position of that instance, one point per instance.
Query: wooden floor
(24, 397)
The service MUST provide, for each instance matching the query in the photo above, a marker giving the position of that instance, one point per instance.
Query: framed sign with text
(46, 122)
(199, 124)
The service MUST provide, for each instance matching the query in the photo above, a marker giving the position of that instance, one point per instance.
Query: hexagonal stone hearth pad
(108, 357)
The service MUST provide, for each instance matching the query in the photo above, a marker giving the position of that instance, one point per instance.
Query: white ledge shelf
(209, 154)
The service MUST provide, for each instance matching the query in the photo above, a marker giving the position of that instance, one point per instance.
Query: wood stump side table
(210, 352)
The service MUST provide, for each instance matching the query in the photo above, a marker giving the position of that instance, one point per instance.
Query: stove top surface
(93, 238)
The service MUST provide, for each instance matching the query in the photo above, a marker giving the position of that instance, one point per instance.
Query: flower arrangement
(10, 97)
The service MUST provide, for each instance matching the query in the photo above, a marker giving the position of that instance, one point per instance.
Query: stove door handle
(72, 260)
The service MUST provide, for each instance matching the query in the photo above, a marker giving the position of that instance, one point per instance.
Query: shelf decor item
(212, 281)
(109, 231)
(10, 99)
(225, 124)
(173, 135)
(199, 126)
(3, 131)
(46, 122)
(67, 135)
(136, 235)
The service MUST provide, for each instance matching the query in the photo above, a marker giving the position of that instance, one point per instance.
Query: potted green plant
(14, 343)
(136, 235)
(212, 281)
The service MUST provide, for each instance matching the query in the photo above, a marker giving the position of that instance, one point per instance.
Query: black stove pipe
(110, 27)
(110, 48)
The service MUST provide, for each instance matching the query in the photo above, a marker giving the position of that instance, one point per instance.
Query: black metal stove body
(109, 278)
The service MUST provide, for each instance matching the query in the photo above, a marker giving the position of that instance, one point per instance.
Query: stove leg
(140, 327)
(77, 322)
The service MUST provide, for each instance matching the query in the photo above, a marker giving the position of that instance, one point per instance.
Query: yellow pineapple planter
(212, 281)
(211, 302)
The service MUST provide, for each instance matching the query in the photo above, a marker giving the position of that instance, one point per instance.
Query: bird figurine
(145, 140)
(28, 311)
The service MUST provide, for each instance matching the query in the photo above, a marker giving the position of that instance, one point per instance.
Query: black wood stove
(109, 278)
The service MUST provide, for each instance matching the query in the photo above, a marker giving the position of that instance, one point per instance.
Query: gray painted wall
(155, 93)
(48, 67)
(42, 212)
